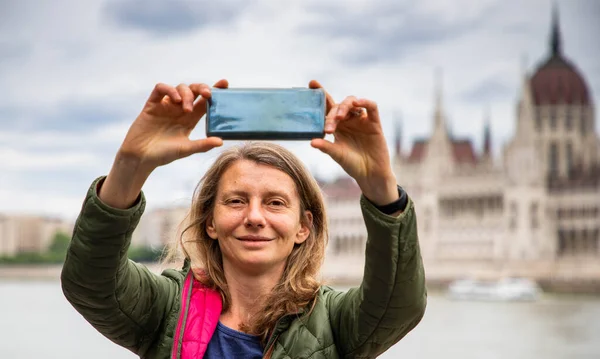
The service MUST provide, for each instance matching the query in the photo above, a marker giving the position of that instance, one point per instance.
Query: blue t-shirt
(229, 343)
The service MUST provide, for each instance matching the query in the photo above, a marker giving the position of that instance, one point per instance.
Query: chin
(260, 264)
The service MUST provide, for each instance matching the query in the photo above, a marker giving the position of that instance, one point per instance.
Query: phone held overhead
(266, 113)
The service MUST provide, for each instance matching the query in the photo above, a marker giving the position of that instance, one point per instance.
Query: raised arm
(123, 300)
(392, 297)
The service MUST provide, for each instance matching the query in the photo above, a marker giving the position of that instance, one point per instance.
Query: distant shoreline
(37, 272)
(33, 272)
(30, 271)
(51, 272)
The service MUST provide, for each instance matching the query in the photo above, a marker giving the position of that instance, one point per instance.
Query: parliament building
(534, 213)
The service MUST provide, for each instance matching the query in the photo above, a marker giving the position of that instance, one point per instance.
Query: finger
(188, 97)
(334, 151)
(314, 84)
(161, 90)
(202, 90)
(331, 120)
(345, 107)
(223, 84)
(202, 145)
(205, 93)
(370, 106)
(338, 113)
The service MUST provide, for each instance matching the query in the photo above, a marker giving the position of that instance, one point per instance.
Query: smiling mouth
(254, 239)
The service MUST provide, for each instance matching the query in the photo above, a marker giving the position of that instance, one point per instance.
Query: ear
(211, 230)
(305, 227)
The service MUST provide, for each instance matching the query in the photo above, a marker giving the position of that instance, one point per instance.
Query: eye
(276, 203)
(234, 201)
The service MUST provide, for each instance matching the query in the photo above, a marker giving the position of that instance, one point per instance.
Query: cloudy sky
(74, 74)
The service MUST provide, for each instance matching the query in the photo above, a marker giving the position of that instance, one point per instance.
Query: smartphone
(266, 114)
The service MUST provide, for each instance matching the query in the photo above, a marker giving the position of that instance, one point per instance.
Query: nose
(254, 215)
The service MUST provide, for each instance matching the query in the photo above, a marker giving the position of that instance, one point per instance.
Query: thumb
(334, 151)
(197, 146)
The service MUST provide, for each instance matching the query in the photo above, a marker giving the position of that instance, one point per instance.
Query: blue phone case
(266, 114)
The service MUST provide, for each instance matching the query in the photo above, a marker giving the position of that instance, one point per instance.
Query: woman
(256, 239)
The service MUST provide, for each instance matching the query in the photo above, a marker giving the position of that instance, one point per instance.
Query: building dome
(557, 81)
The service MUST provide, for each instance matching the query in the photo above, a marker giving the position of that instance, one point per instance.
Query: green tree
(145, 254)
(60, 243)
(56, 252)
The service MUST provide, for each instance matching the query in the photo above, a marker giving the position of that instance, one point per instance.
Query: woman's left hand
(359, 146)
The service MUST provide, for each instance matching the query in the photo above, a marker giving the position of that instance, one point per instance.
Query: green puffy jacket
(139, 310)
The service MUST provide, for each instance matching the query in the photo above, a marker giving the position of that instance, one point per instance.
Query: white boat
(505, 289)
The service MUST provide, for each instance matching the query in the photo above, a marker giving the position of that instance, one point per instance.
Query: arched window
(562, 242)
(553, 119)
(582, 124)
(553, 159)
(513, 215)
(569, 118)
(595, 238)
(337, 247)
(569, 158)
(533, 213)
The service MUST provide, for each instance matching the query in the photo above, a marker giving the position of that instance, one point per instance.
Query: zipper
(272, 338)
(185, 301)
(269, 351)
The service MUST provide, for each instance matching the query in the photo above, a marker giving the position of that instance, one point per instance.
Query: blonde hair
(298, 285)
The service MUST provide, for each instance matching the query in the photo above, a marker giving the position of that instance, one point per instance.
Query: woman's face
(256, 218)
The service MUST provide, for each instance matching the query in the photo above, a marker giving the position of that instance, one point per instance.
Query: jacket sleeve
(392, 297)
(121, 299)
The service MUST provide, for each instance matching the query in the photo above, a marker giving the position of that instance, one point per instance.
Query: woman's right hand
(160, 134)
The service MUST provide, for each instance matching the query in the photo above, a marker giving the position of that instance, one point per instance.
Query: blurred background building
(28, 233)
(536, 212)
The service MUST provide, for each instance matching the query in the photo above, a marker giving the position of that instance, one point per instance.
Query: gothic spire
(487, 134)
(555, 37)
(439, 112)
(398, 134)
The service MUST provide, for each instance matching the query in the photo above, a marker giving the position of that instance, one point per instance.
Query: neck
(247, 292)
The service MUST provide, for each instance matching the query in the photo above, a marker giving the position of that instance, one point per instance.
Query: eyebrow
(270, 193)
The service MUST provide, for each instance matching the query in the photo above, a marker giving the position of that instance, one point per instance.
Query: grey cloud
(65, 117)
(12, 54)
(583, 16)
(9, 15)
(169, 17)
(386, 31)
(14, 51)
(488, 91)
(67, 182)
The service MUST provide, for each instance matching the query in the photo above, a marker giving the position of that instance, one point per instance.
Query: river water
(37, 322)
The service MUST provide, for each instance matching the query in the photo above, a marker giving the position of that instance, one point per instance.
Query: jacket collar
(187, 265)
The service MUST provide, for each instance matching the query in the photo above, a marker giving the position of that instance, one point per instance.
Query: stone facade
(29, 233)
(537, 211)
(344, 258)
(160, 227)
